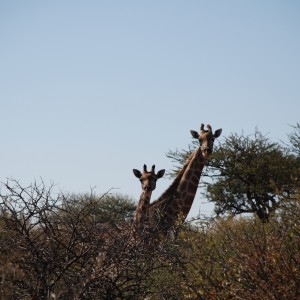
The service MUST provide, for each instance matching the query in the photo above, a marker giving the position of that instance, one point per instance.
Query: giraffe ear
(194, 133)
(137, 173)
(160, 173)
(218, 132)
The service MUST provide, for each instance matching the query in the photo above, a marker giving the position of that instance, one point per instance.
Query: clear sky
(90, 90)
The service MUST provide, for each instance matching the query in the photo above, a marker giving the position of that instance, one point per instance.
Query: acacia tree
(249, 174)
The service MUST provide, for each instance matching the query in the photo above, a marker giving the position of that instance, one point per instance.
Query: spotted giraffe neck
(173, 187)
(177, 200)
(188, 185)
(141, 213)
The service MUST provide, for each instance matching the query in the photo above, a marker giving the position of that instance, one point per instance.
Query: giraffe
(148, 181)
(132, 235)
(175, 203)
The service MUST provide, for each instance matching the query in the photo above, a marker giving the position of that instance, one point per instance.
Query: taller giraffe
(175, 203)
(148, 181)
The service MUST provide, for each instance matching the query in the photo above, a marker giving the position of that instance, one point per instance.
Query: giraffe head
(148, 179)
(206, 139)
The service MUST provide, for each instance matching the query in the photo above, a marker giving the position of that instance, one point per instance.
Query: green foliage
(252, 175)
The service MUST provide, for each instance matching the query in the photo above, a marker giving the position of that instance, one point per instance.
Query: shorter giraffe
(125, 236)
(148, 181)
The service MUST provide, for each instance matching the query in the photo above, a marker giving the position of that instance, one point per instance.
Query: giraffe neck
(173, 187)
(188, 185)
(142, 207)
(178, 198)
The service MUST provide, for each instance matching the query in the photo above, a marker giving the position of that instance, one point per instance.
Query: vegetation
(56, 246)
(294, 139)
(75, 247)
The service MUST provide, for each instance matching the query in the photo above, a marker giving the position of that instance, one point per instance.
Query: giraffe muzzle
(147, 188)
(207, 150)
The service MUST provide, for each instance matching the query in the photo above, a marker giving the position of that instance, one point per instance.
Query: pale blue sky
(91, 89)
